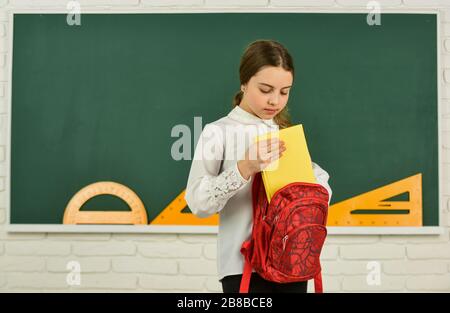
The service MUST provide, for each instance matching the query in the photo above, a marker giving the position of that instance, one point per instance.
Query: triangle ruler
(173, 215)
(377, 207)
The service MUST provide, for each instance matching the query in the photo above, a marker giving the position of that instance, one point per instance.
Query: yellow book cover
(294, 166)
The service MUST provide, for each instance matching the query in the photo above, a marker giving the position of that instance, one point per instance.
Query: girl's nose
(273, 100)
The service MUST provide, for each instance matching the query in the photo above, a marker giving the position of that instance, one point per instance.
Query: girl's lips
(270, 111)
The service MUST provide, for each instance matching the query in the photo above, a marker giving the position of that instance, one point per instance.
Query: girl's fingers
(274, 154)
(269, 146)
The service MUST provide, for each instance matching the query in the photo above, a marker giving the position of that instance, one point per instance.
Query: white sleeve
(322, 179)
(207, 191)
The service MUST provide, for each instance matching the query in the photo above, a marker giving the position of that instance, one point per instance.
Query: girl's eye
(267, 91)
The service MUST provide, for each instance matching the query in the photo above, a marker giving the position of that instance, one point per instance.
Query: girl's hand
(259, 155)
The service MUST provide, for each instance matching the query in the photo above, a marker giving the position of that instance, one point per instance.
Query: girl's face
(267, 92)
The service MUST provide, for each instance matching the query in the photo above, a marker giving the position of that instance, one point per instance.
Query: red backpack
(287, 235)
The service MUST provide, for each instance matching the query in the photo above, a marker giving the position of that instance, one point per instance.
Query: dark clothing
(231, 284)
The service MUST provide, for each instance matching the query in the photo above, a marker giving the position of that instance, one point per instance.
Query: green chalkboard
(97, 102)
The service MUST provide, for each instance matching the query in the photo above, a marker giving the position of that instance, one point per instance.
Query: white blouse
(215, 184)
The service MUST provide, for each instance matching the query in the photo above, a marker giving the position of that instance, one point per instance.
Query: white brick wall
(88, 264)
(187, 263)
(306, 3)
(377, 251)
(359, 283)
(363, 3)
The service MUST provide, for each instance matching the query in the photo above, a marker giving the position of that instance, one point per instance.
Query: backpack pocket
(297, 254)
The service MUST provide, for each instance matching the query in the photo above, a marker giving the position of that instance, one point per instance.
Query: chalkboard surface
(97, 102)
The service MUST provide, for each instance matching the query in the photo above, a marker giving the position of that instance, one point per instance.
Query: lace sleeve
(208, 194)
(209, 187)
(224, 186)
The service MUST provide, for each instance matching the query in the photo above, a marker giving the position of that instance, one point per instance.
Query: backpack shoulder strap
(318, 287)
(246, 249)
(245, 281)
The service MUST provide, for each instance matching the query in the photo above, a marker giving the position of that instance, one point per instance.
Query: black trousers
(231, 284)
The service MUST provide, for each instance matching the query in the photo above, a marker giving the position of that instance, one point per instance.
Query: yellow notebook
(294, 166)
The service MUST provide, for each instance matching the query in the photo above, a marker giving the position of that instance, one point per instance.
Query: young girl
(225, 159)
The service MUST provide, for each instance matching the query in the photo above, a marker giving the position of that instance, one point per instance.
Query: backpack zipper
(299, 229)
(301, 183)
(285, 238)
(294, 203)
(288, 208)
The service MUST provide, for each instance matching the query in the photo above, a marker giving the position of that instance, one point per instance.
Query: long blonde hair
(262, 53)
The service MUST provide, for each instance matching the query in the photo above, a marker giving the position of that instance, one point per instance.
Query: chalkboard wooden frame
(432, 230)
